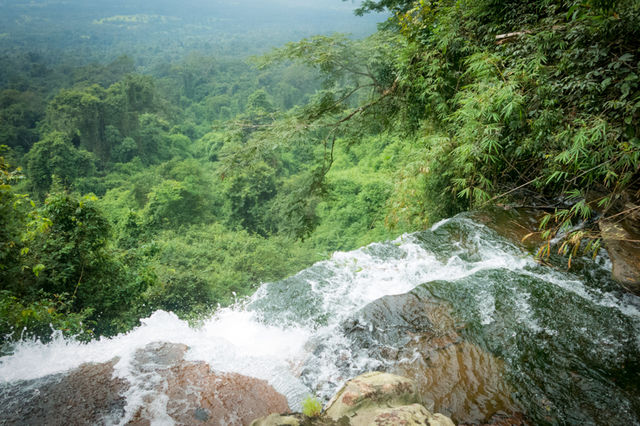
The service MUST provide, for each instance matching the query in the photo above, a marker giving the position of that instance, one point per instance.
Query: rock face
(372, 390)
(519, 225)
(381, 399)
(279, 420)
(370, 399)
(621, 241)
(415, 334)
(621, 237)
(163, 386)
(87, 395)
(194, 394)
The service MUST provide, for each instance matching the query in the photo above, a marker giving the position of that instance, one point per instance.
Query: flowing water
(470, 315)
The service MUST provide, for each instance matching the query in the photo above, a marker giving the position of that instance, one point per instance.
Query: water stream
(469, 314)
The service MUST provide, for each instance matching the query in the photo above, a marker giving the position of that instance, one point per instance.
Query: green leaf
(626, 57)
(37, 269)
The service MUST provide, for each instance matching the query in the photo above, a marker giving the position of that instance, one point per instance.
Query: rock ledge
(370, 399)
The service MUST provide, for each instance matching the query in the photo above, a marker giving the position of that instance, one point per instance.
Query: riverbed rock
(171, 390)
(87, 395)
(503, 419)
(518, 225)
(195, 394)
(378, 398)
(621, 242)
(372, 389)
(416, 336)
(409, 415)
(277, 420)
(373, 398)
(460, 380)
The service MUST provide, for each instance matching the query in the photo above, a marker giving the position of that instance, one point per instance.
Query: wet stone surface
(192, 393)
(417, 337)
(171, 390)
(86, 395)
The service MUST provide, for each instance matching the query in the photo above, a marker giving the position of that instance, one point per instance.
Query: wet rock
(417, 337)
(277, 420)
(621, 238)
(621, 242)
(389, 323)
(518, 225)
(503, 419)
(87, 395)
(460, 380)
(371, 389)
(409, 415)
(381, 399)
(171, 390)
(298, 419)
(373, 398)
(194, 394)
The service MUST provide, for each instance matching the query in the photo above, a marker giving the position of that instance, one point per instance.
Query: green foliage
(170, 204)
(55, 156)
(201, 267)
(60, 271)
(97, 119)
(524, 98)
(208, 173)
(12, 220)
(311, 407)
(215, 175)
(19, 114)
(247, 193)
(353, 72)
(40, 318)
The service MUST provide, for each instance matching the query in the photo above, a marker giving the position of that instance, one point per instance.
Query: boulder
(374, 398)
(195, 394)
(518, 225)
(170, 390)
(87, 395)
(277, 420)
(416, 336)
(372, 390)
(621, 242)
(408, 415)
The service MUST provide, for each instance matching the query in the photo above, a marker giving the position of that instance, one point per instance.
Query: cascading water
(486, 328)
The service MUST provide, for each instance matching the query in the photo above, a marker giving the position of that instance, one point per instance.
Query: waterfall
(561, 347)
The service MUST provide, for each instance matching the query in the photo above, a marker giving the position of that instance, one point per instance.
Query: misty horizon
(105, 30)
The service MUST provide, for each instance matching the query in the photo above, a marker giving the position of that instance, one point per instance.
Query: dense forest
(179, 173)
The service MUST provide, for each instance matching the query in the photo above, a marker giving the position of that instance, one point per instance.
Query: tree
(248, 193)
(79, 114)
(56, 156)
(12, 222)
(259, 103)
(19, 113)
(171, 204)
(74, 259)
